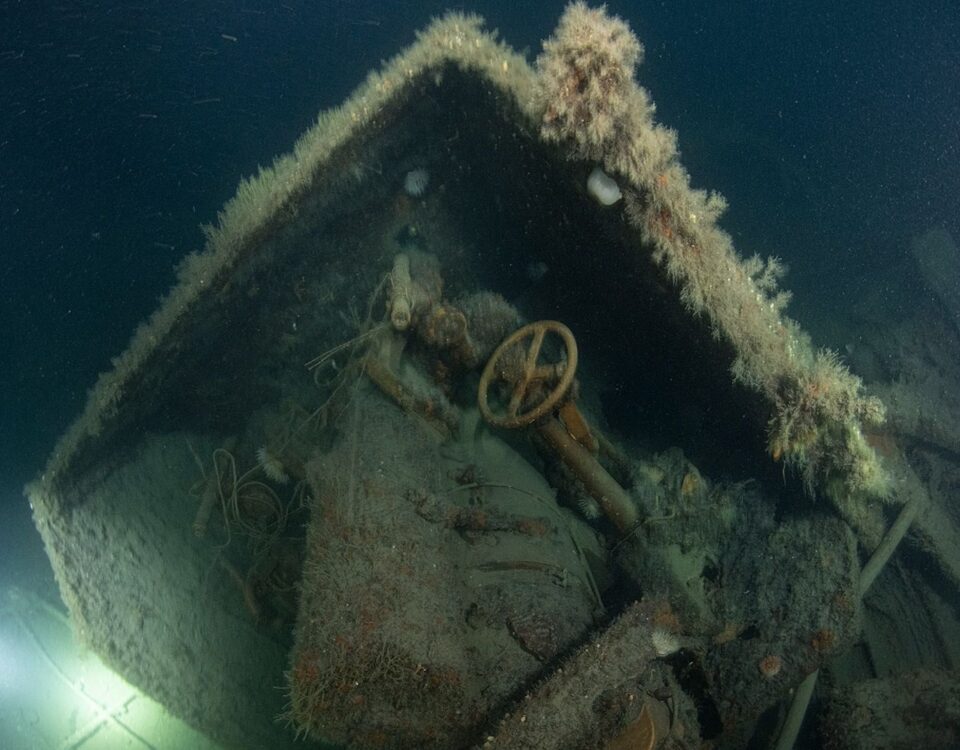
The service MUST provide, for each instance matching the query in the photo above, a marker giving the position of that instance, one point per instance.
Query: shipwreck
(470, 427)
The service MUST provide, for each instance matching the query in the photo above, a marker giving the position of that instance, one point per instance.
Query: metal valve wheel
(517, 362)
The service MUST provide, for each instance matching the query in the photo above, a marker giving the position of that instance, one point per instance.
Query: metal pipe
(613, 499)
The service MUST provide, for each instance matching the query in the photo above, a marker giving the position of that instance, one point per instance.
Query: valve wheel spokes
(532, 374)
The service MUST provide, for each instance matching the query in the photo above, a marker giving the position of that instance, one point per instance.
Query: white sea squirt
(664, 642)
(416, 181)
(603, 188)
(272, 466)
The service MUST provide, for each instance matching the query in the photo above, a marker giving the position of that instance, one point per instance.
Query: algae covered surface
(430, 423)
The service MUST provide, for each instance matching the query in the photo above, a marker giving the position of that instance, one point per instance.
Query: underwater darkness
(831, 128)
